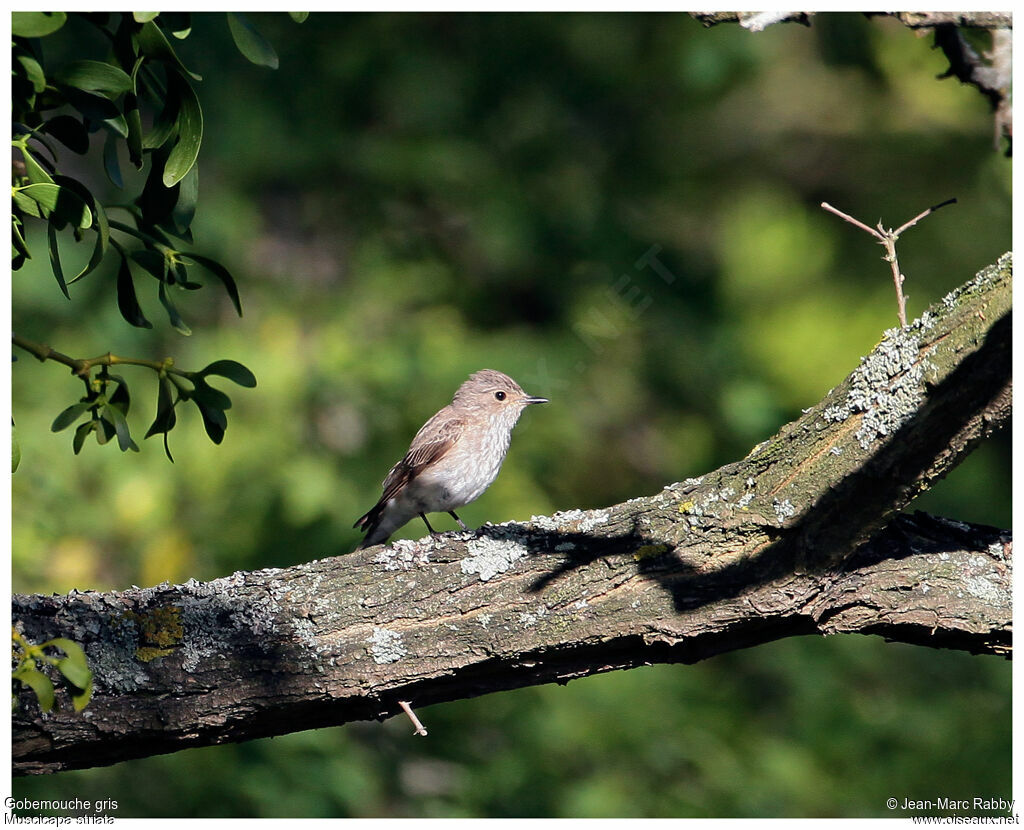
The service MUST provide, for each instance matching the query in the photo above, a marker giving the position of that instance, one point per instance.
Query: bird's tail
(370, 523)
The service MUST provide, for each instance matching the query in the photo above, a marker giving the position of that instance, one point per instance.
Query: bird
(454, 457)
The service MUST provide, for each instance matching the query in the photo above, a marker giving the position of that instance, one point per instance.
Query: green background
(412, 197)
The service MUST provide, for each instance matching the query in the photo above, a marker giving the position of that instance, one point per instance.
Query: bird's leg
(424, 517)
(461, 523)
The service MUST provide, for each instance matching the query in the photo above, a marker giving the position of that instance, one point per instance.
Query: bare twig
(921, 216)
(420, 728)
(887, 238)
(850, 219)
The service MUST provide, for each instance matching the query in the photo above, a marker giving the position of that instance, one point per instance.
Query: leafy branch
(141, 81)
(106, 400)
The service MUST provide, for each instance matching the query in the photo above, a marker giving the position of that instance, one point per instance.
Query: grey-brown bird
(453, 458)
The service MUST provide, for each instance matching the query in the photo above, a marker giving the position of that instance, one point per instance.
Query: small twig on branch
(420, 728)
(887, 238)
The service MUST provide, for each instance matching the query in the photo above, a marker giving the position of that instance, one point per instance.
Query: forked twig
(888, 238)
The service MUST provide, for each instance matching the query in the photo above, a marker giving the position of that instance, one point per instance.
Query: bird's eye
(500, 396)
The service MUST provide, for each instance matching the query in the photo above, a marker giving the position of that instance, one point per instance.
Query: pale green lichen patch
(527, 619)
(982, 581)
(784, 509)
(492, 555)
(983, 278)
(571, 521)
(887, 387)
(386, 646)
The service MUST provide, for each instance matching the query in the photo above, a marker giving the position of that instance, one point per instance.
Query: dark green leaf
(163, 128)
(81, 434)
(118, 124)
(97, 109)
(121, 398)
(184, 385)
(116, 417)
(153, 43)
(127, 300)
(110, 163)
(105, 429)
(72, 204)
(153, 261)
(172, 312)
(165, 417)
(298, 17)
(70, 415)
(69, 131)
(250, 42)
(185, 210)
(214, 421)
(95, 76)
(134, 121)
(36, 24)
(38, 683)
(99, 250)
(58, 271)
(101, 225)
(221, 273)
(157, 200)
(232, 370)
(33, 72)
(213, 398)
(190, 136)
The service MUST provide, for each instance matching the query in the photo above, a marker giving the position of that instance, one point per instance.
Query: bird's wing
(444, 430)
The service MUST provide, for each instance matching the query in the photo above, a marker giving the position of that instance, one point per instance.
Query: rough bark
(800, 537)
(913, 20)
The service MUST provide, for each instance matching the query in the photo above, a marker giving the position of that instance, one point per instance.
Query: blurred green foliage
(412, 197)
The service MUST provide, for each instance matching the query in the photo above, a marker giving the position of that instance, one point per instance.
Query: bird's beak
(533, 399)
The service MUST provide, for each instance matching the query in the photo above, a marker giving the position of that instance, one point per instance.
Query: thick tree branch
(990, 72)
(912, 20)
(800, 537)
